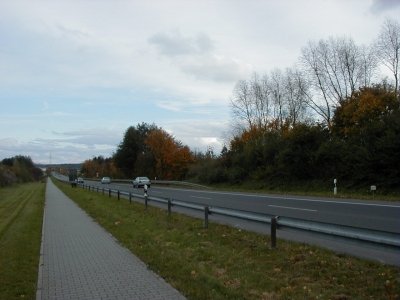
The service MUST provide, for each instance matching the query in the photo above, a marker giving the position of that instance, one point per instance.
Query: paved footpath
(80, 260)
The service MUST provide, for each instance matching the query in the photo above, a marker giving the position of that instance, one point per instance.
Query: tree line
(146, 150)
(18, 169)
(330, 116)
(360, 148)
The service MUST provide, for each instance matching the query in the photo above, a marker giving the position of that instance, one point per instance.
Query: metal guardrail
(161, 182)
(361, 234)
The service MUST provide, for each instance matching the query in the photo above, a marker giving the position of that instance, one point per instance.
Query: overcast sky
(74, 75)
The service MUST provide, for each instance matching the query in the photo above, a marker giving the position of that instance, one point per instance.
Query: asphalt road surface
(379, 215)
(384, 216)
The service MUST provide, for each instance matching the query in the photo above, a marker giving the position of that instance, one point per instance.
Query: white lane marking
(292, 198)
(200, 197)
(296, 208)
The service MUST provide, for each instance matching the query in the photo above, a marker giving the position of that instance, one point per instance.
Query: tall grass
(21, 215)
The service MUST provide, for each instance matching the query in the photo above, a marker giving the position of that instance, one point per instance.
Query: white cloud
(200, 134)
(197, 56)
(174, 43)
(63, 147)
(8, 144)
(216, 68)
(171, 105)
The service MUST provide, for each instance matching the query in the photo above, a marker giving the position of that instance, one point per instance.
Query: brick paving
(80, 260)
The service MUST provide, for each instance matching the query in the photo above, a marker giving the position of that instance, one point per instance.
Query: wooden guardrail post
(130, 197)
(118, 194)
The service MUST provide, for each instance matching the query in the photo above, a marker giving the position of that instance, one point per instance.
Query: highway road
(379, 215)
(384, 216)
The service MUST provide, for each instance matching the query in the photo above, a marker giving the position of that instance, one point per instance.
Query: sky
(75, 74)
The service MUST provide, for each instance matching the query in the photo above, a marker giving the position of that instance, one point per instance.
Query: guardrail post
(206, 213)
(109, 192)
(273, 231)
(118, 194)
(97, 189)
(145, 201)
(103, 190)
(169, 207)
(130, 197)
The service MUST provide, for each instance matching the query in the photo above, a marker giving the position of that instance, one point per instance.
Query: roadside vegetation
(334, 115)
(21, 214)
(222, 262)
(18, 169)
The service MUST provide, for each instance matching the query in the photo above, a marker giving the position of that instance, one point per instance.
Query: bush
(18, 169)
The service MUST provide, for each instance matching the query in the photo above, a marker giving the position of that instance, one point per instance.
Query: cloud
(379, 6)
(174, 43)
(8, 143)
(197, 56)
(200, 134)
(69, 146)
(216, 68)
(171, 105)
(89, 137)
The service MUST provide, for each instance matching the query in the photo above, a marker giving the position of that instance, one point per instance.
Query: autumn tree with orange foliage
(171, 157)
(368, 123)
(99, 167)
(364, 108)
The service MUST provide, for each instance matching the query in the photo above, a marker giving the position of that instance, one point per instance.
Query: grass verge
(21, 215)
(226, 263)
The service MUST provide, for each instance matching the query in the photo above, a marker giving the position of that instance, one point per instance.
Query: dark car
(141, 182)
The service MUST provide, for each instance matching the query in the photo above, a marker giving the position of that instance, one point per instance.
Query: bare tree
(261, 98)
(242, 104)
(313, 68)
(251, 103)
(335, 68)
(295, 96)
(388, 49)
(278, 98)
(369, 63)
(277, 92)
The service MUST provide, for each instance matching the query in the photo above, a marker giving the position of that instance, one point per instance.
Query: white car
(141, 182)
(106, 180)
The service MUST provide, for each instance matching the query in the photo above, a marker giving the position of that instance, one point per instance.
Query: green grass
(226, 263)
(21, 215)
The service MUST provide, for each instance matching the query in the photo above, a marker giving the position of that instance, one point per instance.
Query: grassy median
(21, 215)
(222, 262)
